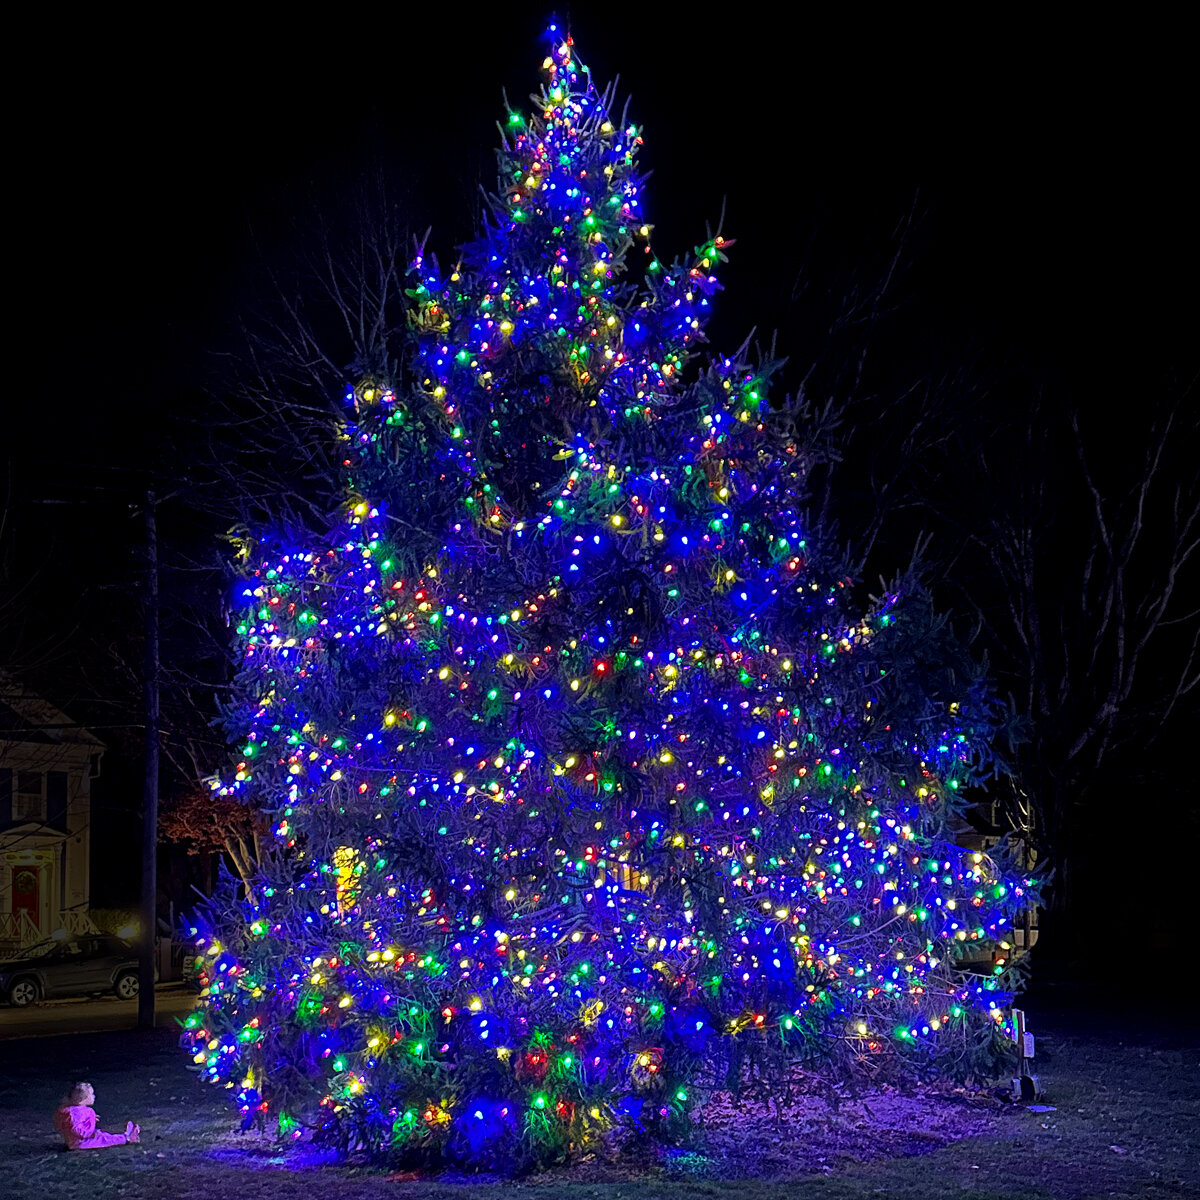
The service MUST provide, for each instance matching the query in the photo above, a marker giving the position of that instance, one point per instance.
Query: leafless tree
(1091, 596)
(1072, 548)
(323, 309)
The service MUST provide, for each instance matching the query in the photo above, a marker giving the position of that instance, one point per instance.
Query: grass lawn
(1127, 1123)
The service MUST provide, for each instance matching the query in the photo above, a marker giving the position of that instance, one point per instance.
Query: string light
(581, 770)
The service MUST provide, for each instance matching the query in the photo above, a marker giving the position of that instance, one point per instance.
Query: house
(47, 764)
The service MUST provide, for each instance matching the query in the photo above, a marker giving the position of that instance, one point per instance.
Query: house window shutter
(5, 796)
(56, 799)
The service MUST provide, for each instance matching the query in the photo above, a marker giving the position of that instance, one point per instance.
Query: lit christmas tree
(587, 786)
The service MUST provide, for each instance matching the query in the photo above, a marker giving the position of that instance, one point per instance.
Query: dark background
(154, 165)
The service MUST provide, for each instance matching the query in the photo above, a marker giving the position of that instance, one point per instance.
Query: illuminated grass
(1107, 1091)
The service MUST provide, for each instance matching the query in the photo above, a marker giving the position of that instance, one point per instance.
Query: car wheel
(126, 986)
(23, 993)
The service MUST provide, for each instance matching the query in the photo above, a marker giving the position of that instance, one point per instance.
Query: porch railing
(17, 930)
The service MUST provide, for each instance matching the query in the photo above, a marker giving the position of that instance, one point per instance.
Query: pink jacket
(77, 1124)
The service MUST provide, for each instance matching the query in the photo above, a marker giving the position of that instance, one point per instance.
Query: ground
(91, 1014)
(1125, 1093)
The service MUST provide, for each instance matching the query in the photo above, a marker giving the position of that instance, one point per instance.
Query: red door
(25, 894)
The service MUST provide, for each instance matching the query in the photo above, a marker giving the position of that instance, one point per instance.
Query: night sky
(1050, 164)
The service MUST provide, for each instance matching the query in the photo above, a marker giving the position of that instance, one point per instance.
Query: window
(29, 796)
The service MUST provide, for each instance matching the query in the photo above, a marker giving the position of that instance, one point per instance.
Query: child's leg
(99, 1140)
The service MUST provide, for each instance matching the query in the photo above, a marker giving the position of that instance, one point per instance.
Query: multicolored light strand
(585, 780)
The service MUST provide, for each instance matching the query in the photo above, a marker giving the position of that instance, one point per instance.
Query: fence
(17, 930)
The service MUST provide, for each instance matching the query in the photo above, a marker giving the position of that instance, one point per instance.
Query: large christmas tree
(588, 787)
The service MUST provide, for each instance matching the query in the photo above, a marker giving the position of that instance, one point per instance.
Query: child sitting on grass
(77, 1123)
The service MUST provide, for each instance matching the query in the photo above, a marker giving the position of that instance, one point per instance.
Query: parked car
(73, 966)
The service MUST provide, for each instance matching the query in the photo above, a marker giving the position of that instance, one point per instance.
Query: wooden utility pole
(149, 922)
